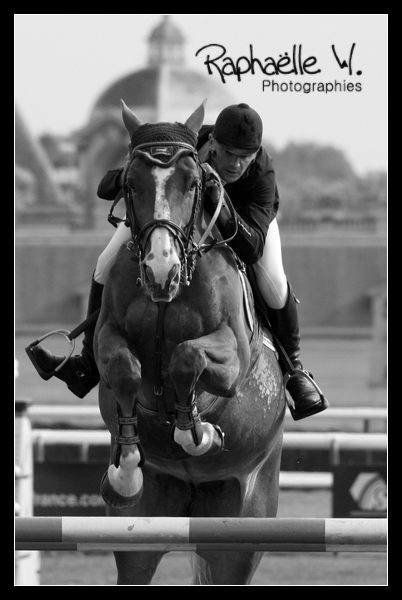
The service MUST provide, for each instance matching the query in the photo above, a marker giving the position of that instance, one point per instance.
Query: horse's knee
(123, 371)
(187, 361)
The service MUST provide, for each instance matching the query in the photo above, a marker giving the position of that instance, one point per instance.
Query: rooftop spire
(166, 44)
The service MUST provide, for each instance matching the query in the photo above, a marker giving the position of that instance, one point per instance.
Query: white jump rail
(199, 533)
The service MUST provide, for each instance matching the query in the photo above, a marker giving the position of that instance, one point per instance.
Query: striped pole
(191, 534)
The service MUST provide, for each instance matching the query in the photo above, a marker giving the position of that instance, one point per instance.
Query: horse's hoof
(218, 441)
(116, 453)
(187, 437)
(116, 500)
(212, 441)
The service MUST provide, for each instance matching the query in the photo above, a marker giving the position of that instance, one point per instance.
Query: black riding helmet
(239, 126)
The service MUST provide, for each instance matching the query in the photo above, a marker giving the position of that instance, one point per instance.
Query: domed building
(165, 90)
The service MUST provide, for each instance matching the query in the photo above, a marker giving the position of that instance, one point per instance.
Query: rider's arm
(111, 184)
(253, 216)
(255, 200)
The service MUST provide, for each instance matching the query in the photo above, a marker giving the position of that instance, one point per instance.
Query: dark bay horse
(191, 392)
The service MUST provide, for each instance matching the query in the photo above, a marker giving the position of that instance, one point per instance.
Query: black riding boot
(80, 372)
(285, 325)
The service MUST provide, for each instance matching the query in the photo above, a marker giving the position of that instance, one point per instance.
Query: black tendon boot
(307, 398)
(80, 372)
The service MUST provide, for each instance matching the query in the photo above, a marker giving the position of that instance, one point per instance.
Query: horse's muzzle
(159, 292)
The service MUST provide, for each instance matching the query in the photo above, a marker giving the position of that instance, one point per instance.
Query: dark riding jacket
(254, 196)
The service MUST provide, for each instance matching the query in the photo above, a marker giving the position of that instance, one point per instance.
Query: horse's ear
(197, 118)
(131, 121)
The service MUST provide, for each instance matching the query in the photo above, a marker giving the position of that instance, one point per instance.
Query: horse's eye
(130, 187)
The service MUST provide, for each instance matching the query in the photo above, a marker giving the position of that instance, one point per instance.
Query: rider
(232, 148)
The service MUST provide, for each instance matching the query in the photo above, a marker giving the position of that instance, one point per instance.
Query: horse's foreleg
(214, 362)
(123, 482)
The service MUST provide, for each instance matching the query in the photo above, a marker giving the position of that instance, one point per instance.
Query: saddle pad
(265, 339)
(247, 308)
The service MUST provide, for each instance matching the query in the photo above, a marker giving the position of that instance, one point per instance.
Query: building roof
(144, 89)
(136, 89)
(166, 87)
(166, 32)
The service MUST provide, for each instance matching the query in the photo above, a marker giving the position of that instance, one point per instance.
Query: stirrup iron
(45, 374)
(289, 375)
(317, 408)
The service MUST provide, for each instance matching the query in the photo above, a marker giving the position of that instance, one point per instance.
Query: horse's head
(162, 185)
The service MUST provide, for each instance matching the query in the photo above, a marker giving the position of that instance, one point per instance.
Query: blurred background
(329, 150)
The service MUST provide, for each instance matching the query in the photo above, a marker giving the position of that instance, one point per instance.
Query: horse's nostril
(148, 273)
(176, 276)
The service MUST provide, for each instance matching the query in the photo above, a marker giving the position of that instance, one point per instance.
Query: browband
(171, 150)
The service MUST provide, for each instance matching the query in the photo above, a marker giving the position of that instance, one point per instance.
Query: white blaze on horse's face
(161, 176)
(162, 263)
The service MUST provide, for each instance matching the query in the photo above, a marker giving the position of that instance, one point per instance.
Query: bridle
(183, 236)
(189, 250)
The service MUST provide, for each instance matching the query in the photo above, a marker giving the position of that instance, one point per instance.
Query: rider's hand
(213, 183)
(120, 180)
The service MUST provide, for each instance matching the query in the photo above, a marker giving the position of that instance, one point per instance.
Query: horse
(191, 389)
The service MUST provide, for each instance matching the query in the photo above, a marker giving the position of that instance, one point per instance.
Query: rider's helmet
(239, 126)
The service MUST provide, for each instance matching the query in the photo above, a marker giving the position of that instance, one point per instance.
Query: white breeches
(106, 259)
(271, 278)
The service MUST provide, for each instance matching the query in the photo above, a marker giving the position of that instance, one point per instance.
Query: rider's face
(229, 162)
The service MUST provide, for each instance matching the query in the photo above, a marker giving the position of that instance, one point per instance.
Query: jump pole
(198, 533)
